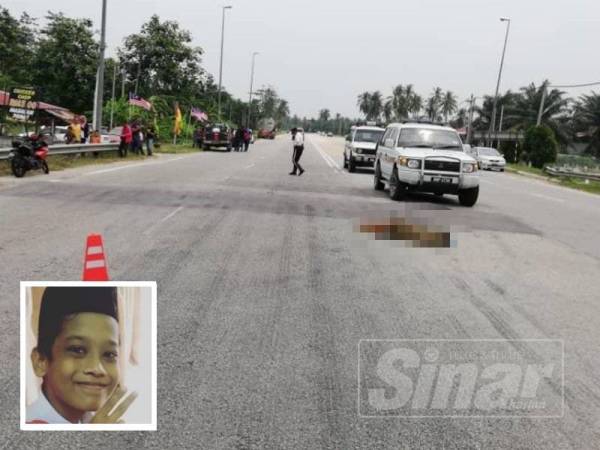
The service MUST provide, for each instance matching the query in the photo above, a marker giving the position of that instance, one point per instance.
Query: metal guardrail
(71, 149)
(563, 172)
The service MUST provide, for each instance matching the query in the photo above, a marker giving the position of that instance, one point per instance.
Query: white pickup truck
(418, 156)
(359, 149)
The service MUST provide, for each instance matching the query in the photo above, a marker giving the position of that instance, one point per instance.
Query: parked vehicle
(488, 158)
(267, 128)
(217, 136)
(111, 137)
(418, 156)
(359, 149)
(59, 136)
(28, 154)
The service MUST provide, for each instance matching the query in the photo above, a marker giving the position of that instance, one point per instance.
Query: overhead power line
(564, 86)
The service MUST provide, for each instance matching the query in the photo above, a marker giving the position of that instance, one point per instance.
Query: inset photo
(88, 356)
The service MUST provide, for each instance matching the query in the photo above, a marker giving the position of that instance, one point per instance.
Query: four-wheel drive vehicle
(360, 147)
(424, 157)
(217, 135)
(488, 158)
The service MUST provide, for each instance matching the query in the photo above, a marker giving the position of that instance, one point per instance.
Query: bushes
(540, 146)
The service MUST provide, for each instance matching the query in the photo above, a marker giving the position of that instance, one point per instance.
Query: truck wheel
(351, 164)
(397, 188)
(377, 183)
(468, 197)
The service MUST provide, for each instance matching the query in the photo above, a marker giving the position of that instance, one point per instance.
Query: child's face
(84, 368)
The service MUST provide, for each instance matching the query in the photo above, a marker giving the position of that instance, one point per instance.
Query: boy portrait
(89, 356)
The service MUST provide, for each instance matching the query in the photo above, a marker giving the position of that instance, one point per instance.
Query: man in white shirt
(298, 142)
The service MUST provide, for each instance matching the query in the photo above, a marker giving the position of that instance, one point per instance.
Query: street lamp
(98, 98)
(251, 86)
(493, 121)
(221, 60)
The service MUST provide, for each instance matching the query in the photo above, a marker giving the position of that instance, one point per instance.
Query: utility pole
(112, 105)
(493, 121)
(251, 87)
(542, 101)
(221, 60)
(500, 126)
(123, 73)
(470, 118)
(97, 120)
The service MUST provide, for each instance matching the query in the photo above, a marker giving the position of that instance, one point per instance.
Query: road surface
(265, 289)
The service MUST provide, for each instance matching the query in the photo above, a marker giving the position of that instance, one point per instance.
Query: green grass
(174, 149)
(511, 167)
(61, 162)
(572, 183)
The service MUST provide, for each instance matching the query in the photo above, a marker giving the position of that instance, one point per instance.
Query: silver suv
(360, 147)
(425, 157)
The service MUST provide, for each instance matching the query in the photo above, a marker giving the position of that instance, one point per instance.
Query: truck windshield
(488, 151)
(367, 135)
(427, 137)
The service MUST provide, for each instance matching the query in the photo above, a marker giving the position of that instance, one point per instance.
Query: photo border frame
(152, 426)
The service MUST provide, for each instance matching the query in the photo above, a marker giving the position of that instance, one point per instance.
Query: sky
(323, 53)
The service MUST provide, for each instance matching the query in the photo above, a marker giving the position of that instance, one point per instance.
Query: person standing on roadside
(238, 139)
(85, 130)
(150, 138)
(298, 143)
(126, 137)
(76, 130)
(247, 137)
(136, 143)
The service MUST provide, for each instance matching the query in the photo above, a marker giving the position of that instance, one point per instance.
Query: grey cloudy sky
(323, 53)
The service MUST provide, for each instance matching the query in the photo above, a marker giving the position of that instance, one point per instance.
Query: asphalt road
(265, 289)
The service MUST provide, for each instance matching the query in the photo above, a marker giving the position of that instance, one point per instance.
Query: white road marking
(546, 197)
(163, 220)
(114, 169)
(247, 167)
(328, 159)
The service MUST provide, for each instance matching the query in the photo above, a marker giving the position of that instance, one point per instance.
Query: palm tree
(415, 104)
(587, 117)
(448, 104)
(388, 109)
(433, 103)
(527, 105)
(364, 103)
(376, 106)
(399, 102)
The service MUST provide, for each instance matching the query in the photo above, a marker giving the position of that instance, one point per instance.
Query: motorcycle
(29, 154)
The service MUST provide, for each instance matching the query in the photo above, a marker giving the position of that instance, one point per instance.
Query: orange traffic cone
(94, 265)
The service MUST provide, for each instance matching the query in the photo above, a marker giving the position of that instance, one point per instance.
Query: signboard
(21, 103)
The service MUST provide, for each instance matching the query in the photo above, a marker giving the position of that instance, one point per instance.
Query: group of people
(133, 137)
(241, 139)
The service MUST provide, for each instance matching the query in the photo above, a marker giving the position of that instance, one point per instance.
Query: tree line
(569, 119)
(157, 63)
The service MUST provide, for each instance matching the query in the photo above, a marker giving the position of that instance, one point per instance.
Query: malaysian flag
(199, 114)
(136, 100)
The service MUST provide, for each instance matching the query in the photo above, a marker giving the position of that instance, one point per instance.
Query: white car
(418, 156)
(489, 158)
(359, 149)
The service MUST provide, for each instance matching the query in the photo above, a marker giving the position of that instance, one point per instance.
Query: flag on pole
(136, 100)
(178, 121)
(199, 114)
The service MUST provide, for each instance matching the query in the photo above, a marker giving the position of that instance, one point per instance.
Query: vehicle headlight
(469, 168)
(413, 164)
